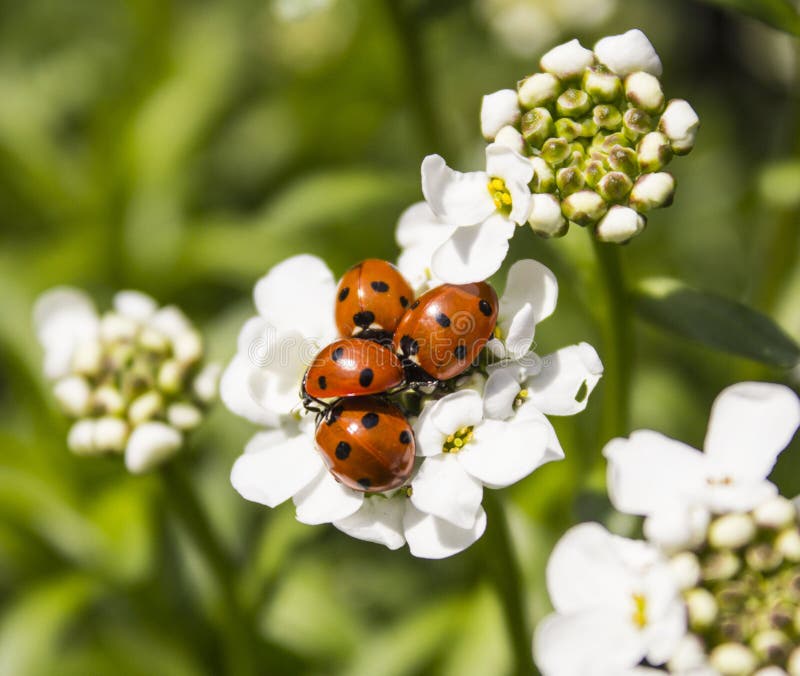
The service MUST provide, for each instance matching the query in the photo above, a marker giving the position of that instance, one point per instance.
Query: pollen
(639, 611)
(500, 195)
(520, 398)
(455, 442)
(498, 333)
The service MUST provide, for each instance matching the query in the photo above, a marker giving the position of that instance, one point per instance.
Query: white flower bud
(652, 191)
(770, 671)
(170, 376)
(567, 60)
(731, 531)
(187, 347)
(653, 152)
(153, 340)
(619, 224)
(770, 643)
(733, 659)
(584, 207)
(145, 407)
(644, 91)
(702, 608)
(680, 124)
(602, 86)
(114, 327)
(205, 384)
(498, 110)
(793, 663)
(775, 513)
(109, 399)
(689, 655)
(80, 439)
(150, 444)
(686, 569)
(87, 358)
(538, 89)
(184, 416)
(73, 395)
(788, 544)
(110, 434)
(545, 217)
(628, 53)
(510, 137)
(134, 305)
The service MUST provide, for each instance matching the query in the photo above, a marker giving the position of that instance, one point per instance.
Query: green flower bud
(153, 341)
(145, 407)
(170, 377)
(731, 531)
(788, 544)
(537, 126)
(775, 514)
(555, 150)
(720, 566)
(108, 399)
(654, 152)
(594, 172)
(584, 207)
(538, 90)
(653, 191)
(771, 645)
(567, 128)
(614, 186)
(644, 91)
(624, 160)
(588, 127)
(606, 116)
(763, 557)
(569, 180)
(636, 123)
(602, 86)
(793, 663)
(609, 141)
(573, 103)
(733, 659)
(544, 179)
(702, 608)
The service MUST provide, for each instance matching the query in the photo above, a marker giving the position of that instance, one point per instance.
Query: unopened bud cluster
(599, 131)
(743, 591)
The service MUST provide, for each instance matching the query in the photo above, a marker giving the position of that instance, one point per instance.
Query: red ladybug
(367, 444)
(446, 328)
(371, 297)
(349, 367)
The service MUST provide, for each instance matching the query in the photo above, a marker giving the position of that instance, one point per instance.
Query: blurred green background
(182, 148)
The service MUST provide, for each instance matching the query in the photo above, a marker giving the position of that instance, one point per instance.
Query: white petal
(680, 124)
(520, 200)
(325, 500)
(275, 467)
(432, 538)
(150, 444)
(419, 225)
(554, 451)
(503, 452)
(429, 438)
(475, 253)
(457, 410)
(567, 60)
(458, 198)
(520, 333)
(649, 471)
(444, 489)
(677, 525)
(498, 110)
(502, 162)
(502, 389)
(596, 642)
(739, 496)
(297, 294)
(628, 53)
(378, 520)
(667, 615)
(73, 395)
(236, 394)
(135, 305)
(170, 321)
(566, 380)
(619, 224)
(528, 283)
(509, 137)
(750, 424)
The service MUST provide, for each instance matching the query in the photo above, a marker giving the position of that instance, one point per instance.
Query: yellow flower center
(498, 333)
(520, 398)
(500, 195)
(455, 442)
(640, 611)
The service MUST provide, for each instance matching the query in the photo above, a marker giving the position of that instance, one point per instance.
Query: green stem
(236, 626)
(616, 328)
(503, 568)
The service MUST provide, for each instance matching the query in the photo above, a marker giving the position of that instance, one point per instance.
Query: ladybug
(371, 298)
(367, 444)
(445, 329)
(350, 367)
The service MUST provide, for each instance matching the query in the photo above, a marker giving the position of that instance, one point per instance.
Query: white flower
(678, 487)
(616, 603)
(295, 320)
(484, 206)
(628, 53)
(497, 111)
(464, 450)
(419, 234)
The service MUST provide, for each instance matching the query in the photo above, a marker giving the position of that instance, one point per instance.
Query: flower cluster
(487, 427)
(583, 141)
(713, 520)
(132, 378)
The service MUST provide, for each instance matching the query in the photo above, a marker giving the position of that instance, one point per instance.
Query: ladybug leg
(312, 404)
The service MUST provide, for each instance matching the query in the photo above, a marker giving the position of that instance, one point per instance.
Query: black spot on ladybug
(334, 414)
(443, 320)
(380, 287)
(323, 382)
(342, 450)
(336, 355)
(365, 483)
(485, 308)
(405, 437)
(409, 346)
(343, 293)
(370, 420)
(415, 304)
(365, 377)
(460, 352)
(403, 301)
(363, 319)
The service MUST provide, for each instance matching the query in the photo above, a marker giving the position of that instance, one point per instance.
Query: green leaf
(780, 14)
(715, 321)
